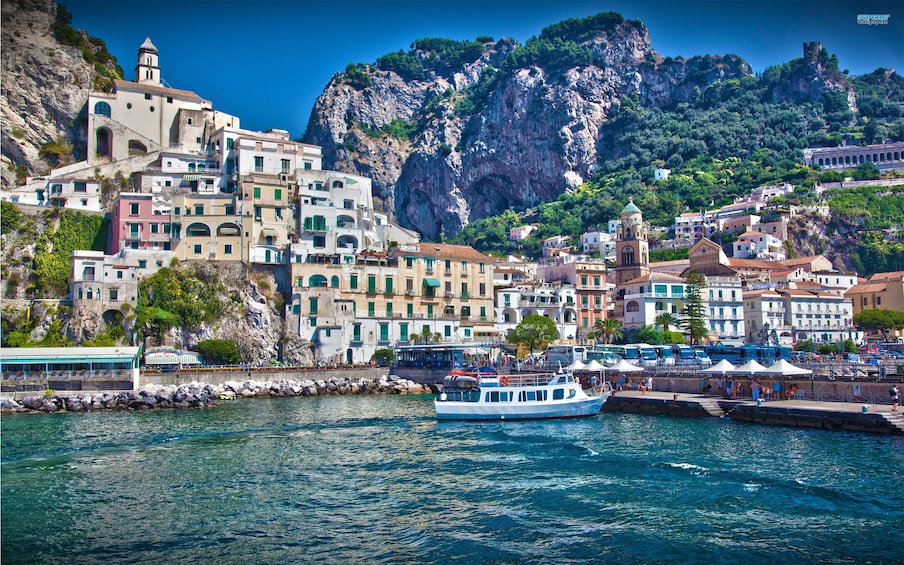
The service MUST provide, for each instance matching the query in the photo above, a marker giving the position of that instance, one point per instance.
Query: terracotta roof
(656, 277)
(446, 251)
(753, 293)
(894, 275)
(158, 89)
(754, 264)
(802, 260)
(866, 288)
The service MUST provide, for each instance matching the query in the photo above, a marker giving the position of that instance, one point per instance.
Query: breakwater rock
(201, 395)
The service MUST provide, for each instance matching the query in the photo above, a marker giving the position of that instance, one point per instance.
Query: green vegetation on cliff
(53, 249)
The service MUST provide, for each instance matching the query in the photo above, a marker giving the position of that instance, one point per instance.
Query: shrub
(219, 351)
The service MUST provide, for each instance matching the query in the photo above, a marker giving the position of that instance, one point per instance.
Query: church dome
(631, 208)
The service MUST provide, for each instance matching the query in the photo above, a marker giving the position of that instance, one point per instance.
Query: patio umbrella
(594, 365)
(624, 367)
(750, 368)
(786, 369)
(576, 366)
(721, 368)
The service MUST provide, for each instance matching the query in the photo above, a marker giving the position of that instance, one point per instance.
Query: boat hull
(455, 410)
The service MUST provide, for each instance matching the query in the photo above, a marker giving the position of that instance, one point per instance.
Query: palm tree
(666, 320)
(607, 328)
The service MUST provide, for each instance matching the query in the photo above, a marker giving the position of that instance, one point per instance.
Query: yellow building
(349, 310)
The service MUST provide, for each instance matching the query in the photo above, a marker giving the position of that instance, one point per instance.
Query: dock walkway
(852, 416)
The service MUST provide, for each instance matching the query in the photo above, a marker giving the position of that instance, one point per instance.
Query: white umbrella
(749, 368)
(624, 367)
(594, 365)
(722, 367)
(576, 366)
(786, 369)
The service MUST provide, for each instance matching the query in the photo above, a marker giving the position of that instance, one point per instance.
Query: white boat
(484, 395)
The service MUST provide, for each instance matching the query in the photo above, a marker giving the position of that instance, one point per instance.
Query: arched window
(102, 108)
(317, 280)
(632, 307)
(337, 184)
(334, 281)
(200, 167)
(191, 167)
(627, 256)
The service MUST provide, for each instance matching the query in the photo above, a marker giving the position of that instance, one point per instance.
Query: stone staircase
(895, 418)
(711, 405)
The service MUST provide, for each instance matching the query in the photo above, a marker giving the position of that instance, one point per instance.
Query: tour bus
(565, 354)
(665, 355)
(684, 355)
(648, 356)
(629, 353)
(738, 355)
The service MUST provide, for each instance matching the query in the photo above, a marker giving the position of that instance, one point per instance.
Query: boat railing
(600, 389)
(526, 379)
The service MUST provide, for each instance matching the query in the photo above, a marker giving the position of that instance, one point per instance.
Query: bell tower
(632, 251)
(148, 69)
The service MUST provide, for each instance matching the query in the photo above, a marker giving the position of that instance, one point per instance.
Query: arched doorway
(104, 143)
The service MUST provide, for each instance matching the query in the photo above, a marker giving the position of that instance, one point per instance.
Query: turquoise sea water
(376, 479)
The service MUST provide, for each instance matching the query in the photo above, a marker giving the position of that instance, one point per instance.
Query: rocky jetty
(202, 395)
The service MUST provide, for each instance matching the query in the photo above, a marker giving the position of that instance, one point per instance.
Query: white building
(105, 282)
(555, 301)
(759, 245)
(661, 174)
(822, 317)
(521, 232)
(651, 295)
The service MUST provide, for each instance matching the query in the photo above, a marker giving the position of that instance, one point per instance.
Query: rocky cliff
(45, 86)
(531, 131)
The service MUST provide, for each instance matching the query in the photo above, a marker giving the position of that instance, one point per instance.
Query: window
(356, 332)
(133, 209)
(312, 305)
(142, 264)
(483, 313)
(257, 213)
(230, 210)
(583, 280)
(409, 262)
(284, 165)
(483, 289)
(147, 96)
(388, 285)
(410, 310)
(258, 164)
(199, 209)
(197, 249)
(371, 284)
(482, 268)
(277, 194)
(114, 294)
(384, 332)
(403, 332)
(118, 274)
(389, 309)
(353, 281)
(227, 249)
(371, 309)
(102, 108)
(257, 192)
(464, 290)
(596, 281)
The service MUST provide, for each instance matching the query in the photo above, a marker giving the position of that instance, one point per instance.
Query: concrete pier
(848, 416)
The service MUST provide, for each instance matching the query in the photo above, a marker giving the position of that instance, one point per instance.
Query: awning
(191, 177)
(431, 282)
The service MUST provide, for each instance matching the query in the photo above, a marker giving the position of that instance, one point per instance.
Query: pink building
(138, 222)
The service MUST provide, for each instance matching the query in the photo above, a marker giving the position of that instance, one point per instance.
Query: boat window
(562, 380)
(558, 394)
(531, 395)
(572, 393)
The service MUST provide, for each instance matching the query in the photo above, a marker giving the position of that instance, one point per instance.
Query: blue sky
(267, 61)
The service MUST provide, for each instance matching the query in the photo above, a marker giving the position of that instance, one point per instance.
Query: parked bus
(684, 355)
(565, 354)
(648, 357)
(738, 355)
(629, 353)
(665, 355)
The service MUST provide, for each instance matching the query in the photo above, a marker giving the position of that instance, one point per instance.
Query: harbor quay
(793, 412)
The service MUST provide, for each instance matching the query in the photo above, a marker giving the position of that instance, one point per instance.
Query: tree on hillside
(694, 311)
(880, 320)
(534, 332)
(220, 351)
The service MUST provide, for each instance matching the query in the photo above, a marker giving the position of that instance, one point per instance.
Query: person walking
(895, 397)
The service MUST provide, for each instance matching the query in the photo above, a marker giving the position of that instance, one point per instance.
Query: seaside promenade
(828, 415)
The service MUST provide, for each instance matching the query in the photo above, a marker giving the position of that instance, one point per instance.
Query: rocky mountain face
(535, 134)
(45, 87)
